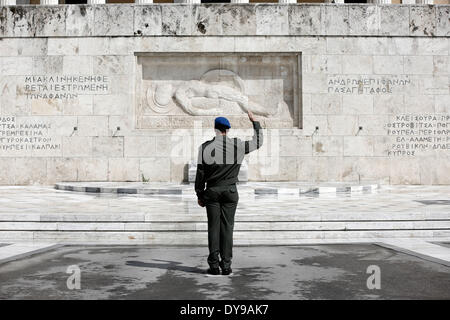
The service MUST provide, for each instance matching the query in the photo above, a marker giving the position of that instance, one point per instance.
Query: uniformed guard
(218, 166)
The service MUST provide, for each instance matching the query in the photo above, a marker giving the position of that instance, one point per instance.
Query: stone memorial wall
(128, 92)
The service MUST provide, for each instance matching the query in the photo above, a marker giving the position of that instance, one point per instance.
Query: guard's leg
(228, 210)
(213, 212)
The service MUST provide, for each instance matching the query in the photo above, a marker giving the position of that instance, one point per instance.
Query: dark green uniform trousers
(221, 203)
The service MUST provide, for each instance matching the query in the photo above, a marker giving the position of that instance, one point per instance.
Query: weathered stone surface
(79, 20)
(207, 19)
(113, 19)
(388, 64)
(335, 19)
(304, 20)
(272, 20)
(422, 20)
(443, 21)
(239, 20)
(364, 20)
(19, 21)
(123, 169)
(394, 20)
(50, 21)
(147, 20)
(109, 147)
(155, 169)
(176, 20)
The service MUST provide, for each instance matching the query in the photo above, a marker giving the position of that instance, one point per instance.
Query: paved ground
(300, 272)
(392, 199)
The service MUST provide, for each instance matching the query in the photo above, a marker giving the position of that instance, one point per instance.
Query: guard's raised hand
(251, 116)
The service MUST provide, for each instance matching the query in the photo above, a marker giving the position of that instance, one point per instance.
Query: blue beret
(221, 121)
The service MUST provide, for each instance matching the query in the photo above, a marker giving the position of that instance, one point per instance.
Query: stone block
(441, 104)
(311, 122)
(342, 125)
(330, 64)
(123, 169)
(112, 19)
(207, 19)
(16, 66)
(404, 171)
(29, 171)
(239, 21)
(18, 21)
(113, 104)
(357, 64)
(92, 169)
(315, 83)
(434, 85)
(432, 46)
(77, 146)
(388, 64)
(335, 20)
(176, 20)
(441, 65)
(358, 146)
(357, 104)
(49, 21)
(394, 20)
(139, 146)
(419, 104)
(295, 146)
(46, 107)
(47, 65)
(79, 20)
(326, 104)
(92, 126)
(113, 65)
(155, 169)
(388, 104)
(7, 166)
(94, 46)
(304, 20)
(107, 147)
(62, 169)
(163, 146)
(327, 146)
(372, 169)
(422, 20)
(403, 46)
(373, 125)
(147, 20)
(442, 21)
(364, 20)
(63, 46)
(272, 20)
(3, 22)
(77, 65)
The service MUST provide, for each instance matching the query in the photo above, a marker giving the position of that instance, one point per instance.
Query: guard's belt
(225, 182)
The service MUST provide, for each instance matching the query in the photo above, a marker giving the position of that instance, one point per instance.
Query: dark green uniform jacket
(220, 159)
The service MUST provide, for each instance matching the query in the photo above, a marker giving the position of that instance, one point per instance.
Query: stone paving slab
(422, 249)
(258, 188)
(20, 250)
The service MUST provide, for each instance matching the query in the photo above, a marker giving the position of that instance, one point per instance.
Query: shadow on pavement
(167, 265)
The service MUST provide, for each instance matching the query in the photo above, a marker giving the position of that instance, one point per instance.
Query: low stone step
(281, 216)
(200, 237)
(240, 226)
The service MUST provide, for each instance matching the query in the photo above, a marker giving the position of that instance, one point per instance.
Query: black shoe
(213, 272)
(227, 272)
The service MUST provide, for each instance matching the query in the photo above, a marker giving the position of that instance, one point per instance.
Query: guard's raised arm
(257, 140)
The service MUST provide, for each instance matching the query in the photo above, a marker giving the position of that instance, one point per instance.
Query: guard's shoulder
(204, 144)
